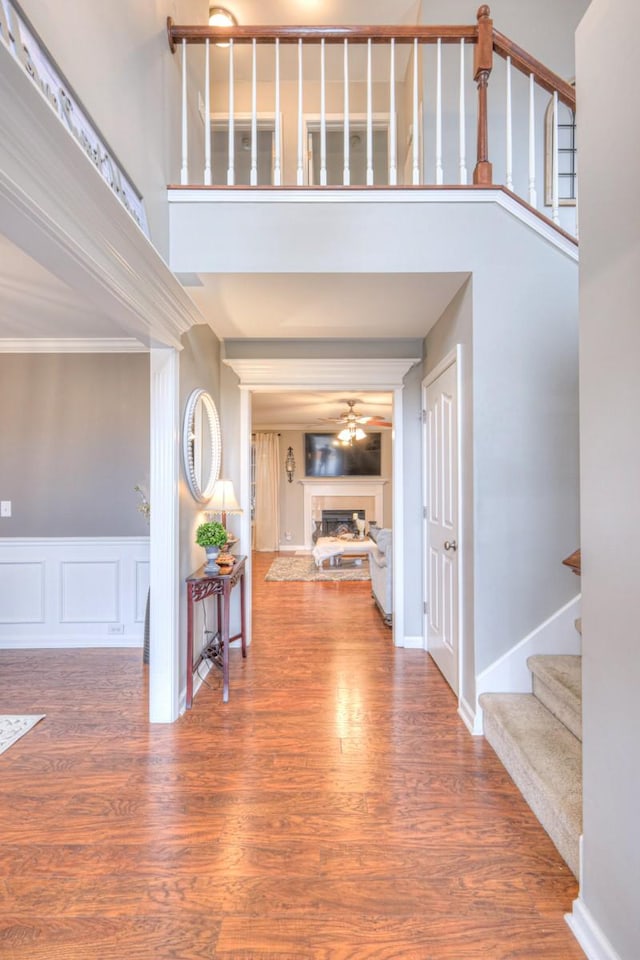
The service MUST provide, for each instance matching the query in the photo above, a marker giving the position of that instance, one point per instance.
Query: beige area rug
(304, 568)
(14, 726)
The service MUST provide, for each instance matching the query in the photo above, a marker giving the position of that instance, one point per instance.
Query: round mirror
(201, 444)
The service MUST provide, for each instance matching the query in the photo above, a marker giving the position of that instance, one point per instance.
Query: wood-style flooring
(335, 809)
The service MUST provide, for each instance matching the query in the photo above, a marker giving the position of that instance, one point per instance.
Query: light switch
(5, 508)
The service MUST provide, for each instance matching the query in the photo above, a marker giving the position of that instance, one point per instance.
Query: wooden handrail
(527, 64)
(286, 34)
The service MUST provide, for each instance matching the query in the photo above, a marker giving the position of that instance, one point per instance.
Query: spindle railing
(424, 118)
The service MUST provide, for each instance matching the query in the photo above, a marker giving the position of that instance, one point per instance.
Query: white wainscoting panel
(89, 591)
(21, 592)
(73, 591)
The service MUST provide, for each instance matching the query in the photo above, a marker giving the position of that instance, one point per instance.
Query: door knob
(450, 545)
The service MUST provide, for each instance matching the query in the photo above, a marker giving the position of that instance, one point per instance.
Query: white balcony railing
(375, 107)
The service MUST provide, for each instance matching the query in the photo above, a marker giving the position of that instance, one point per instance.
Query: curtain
(267, 508)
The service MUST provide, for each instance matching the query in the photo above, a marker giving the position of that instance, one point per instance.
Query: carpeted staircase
(538, 739)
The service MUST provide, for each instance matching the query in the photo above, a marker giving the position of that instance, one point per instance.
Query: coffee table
(335, 549)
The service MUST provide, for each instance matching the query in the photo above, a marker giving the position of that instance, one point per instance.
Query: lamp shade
(223, 498)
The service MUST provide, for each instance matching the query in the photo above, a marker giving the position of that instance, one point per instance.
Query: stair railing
(339, 69)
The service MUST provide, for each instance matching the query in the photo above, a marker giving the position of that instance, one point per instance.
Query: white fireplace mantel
(339, 487)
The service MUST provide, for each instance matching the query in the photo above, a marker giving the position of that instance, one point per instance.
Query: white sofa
(381, 571)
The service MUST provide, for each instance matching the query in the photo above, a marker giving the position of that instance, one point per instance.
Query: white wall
(610, 535)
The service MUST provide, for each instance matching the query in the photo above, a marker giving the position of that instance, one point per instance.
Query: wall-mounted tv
(325, 456)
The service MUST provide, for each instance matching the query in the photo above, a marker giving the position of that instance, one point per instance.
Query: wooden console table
(201, 585)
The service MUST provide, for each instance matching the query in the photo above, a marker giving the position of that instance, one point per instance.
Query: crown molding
(71, 345)
(322, 373)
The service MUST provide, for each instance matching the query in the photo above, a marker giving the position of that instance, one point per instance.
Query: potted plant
(212, 536)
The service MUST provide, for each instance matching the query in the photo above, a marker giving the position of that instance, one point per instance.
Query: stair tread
(542, 750)
(560, 671)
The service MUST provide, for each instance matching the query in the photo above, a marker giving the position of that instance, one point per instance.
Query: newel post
(482, 66)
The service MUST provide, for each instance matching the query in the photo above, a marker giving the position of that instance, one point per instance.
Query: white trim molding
(72, 591)
(71, 345)
(588, 934)
(270, 376)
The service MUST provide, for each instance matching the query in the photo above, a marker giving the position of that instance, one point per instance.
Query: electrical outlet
(115, 628)
(5, 508)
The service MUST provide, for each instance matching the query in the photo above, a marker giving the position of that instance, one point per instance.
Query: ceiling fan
(351, 418)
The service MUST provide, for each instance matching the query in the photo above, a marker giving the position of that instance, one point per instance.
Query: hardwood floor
(335, 809)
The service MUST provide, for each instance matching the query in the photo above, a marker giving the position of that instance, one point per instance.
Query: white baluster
(509, 122)
(231, 170)
(277, 159)
(439, 168)
(555, 196)
(300, 166)
(462, 129)
(369, 118)
(393, 123)
(207, 114)
(346, 174)
(253, 178)
(533, 196)
(323, 115)
(416, 134)
(184, 169)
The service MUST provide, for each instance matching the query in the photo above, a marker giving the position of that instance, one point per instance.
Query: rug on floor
(304, 568)
(14, 726)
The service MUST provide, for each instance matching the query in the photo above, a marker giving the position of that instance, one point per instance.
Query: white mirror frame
(192, 451)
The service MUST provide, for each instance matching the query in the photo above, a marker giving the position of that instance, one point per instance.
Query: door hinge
(426, 608)
(424, 513)
(424, 416)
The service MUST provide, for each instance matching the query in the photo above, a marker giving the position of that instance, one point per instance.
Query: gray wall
(456, 327)
(75, 442)
(610, 536)
(199, 367)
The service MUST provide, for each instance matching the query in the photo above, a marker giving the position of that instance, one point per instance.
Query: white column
(416, 132)
(462, 129)
(245, 498)
(184, 168)
(277, 160)
(346, 175)
(555, 160)
(533, 197)
(393, 122)
(231, 171)
(254, 118)
(300, 164)
(398, 520)
(439, 169)
(369, 118)
(323, 115)
(164, 579)
(509, 137)
(207, 113)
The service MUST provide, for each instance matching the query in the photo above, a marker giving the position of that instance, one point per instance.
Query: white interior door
(441, 450)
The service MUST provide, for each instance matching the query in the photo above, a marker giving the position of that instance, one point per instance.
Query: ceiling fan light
(345, 435)
(359, 434)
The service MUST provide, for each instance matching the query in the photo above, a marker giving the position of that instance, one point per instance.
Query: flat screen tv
(325, 456)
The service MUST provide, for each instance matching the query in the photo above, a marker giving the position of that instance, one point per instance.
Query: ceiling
(309, 411)
(319, 305)
(334, 12)
(35, 303)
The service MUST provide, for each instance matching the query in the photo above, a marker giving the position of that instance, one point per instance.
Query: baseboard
(588, 934)
(470, 717)
(44, 642)
(412, 643)
(73, 591)
(557, 635)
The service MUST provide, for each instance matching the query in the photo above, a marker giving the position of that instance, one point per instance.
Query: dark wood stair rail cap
(574, 562)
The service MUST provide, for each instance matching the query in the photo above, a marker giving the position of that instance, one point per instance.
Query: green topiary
(211, 534)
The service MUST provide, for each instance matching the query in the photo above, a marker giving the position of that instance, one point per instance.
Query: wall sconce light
(220, 17)
(290, 465)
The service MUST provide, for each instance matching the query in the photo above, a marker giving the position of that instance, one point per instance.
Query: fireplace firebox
(335, 521)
